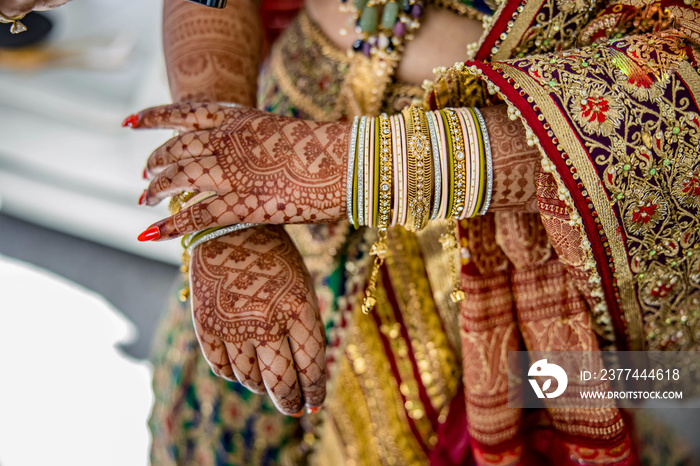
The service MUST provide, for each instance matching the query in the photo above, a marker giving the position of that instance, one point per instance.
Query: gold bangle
(447, 163)
(459, 160)
(376, 165)
(385, 176)
(402, 169)
(420, 173)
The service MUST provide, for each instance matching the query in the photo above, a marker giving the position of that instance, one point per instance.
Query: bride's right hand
(256, 316)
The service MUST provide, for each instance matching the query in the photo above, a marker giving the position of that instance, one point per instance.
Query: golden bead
(448, 241)
(369, 304)
(184, 294)
(379, 249)
(457, 296)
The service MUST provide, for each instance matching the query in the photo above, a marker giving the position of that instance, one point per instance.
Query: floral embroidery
(640, 85)
(597, 112)
(691, 185)
(644, 215)
(617, 20)
(687, 187)
(660, 285)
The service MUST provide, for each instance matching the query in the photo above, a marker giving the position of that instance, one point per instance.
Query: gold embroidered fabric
(635, 159)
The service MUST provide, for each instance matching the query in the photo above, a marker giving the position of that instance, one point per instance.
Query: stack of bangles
(413, 167)
(417, 166)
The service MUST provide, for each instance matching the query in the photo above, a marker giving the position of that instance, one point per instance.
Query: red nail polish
(131, 121)
(144, 197)
(145, 174)
(150, 234)
(314, 409)
(299, 414)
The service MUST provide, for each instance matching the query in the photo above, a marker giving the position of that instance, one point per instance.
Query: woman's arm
(515, 164)
(271, 169)
(269, 337)
(211, 54)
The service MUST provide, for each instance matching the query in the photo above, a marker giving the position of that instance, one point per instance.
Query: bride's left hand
(262, 168)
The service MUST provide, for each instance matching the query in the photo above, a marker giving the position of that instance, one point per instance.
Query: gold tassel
(450, 246)
(380, 252)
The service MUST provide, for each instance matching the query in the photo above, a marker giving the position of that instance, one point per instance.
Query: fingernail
(299, 414)
(144, 197)
(145, 174)
(150, 234)
(314, 409)
(131, 121)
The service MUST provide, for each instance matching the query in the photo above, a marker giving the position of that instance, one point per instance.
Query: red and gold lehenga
(608, 92)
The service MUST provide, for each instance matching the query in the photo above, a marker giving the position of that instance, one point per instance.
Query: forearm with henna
(212, 54)
(515, 164)
(265, 168)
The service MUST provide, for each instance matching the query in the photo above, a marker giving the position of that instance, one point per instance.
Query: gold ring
(15, 21)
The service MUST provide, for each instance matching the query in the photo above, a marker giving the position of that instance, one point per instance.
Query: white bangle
(361, 172)
(436, 164)
(351, 167)
(215, 234)
(489, 162)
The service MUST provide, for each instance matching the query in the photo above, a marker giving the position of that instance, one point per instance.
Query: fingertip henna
(189, 220)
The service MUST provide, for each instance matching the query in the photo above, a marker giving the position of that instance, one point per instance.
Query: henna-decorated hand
(264, 168)
(257, 318)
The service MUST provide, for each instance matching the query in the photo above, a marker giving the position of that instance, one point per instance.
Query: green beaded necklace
(384, 25)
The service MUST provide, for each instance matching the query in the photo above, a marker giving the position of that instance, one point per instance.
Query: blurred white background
(65, 160)
(69, 395)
